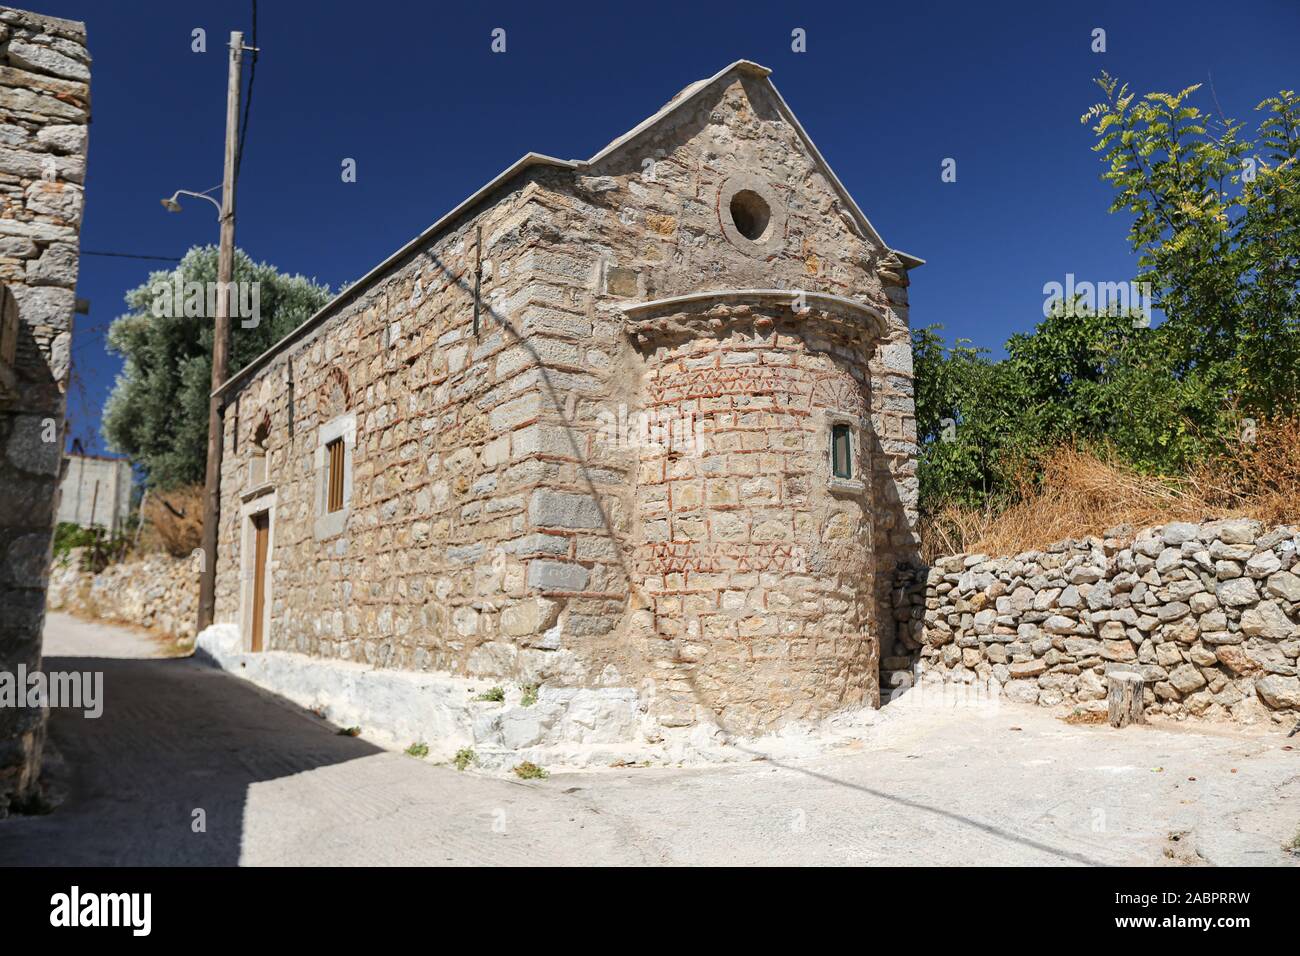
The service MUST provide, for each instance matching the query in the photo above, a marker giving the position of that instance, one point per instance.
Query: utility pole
(220, 339)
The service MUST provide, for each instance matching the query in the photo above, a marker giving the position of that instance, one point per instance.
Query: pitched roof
(749, 68)
(528, 160)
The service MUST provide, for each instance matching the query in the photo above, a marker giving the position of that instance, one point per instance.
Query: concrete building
(95, 491)
(44, 111)
(641, 424)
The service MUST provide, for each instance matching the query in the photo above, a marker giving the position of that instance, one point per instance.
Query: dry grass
(173, 521)
(1084, 493)
(1260, 479)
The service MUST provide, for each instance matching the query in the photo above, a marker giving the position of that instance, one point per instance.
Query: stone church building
(643, 421)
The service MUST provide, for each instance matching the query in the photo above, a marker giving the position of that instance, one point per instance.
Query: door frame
(261, 558)
(262, 505)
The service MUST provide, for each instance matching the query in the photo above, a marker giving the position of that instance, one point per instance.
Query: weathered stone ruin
(44, 109)
(639, 426)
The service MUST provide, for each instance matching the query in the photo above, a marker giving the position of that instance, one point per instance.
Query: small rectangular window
(334, 499)
(841, 452)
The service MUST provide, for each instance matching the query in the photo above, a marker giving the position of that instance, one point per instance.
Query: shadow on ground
(175, 737)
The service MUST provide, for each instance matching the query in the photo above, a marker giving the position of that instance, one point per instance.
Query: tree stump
(1124, 698)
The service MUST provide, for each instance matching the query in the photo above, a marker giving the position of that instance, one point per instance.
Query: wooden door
(262, 534)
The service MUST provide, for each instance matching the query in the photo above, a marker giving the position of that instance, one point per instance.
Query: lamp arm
(186, 192)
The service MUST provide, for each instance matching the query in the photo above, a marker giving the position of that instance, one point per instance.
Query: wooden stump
(1124, 698)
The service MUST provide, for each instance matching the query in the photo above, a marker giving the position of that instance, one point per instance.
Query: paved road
(276, 785)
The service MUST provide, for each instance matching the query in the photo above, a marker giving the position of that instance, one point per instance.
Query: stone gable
(664, 197)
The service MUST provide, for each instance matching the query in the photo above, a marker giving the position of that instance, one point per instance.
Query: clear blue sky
(413, 92)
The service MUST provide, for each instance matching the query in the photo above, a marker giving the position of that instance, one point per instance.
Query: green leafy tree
(1094, 377)
(1216, 225)
(157, 414)
(968, 417)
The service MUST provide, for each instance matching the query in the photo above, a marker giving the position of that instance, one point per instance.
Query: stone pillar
(897, 488)
(44, 109)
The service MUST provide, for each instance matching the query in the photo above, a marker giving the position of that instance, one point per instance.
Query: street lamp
(171, 204)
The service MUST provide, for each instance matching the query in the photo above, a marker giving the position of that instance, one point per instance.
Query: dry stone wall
(155, 591)
(1208, 614)
(44, 110)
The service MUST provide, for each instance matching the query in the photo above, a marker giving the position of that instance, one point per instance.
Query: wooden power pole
(220, 339)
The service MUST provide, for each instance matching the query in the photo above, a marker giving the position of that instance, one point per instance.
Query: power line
(129, 255)
(248, 100)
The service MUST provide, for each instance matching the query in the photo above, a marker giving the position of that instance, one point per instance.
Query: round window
(750, 214)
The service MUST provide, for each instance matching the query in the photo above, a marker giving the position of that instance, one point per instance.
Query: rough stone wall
(493, 527)
(1209, 614)
(651, 221)
(44, 109)
(658, 230)
(155, 591)
(430, 563)
(756, 565)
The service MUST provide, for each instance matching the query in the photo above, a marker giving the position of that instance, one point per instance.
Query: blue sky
(413, 92)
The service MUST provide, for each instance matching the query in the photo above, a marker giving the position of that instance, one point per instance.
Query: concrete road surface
(191, 766)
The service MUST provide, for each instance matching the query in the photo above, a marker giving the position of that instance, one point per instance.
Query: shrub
(98, 549)
(68, 535)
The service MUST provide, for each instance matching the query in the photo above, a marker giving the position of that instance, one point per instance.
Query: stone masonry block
(558, 509)
(557, 576)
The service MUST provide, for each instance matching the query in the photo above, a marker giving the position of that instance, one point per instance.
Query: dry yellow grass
(173, 521)
(1260, 479)
(1083, 493)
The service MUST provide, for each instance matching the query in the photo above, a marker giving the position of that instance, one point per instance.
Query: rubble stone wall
(44, 111)
(155, 591)
(1208, 613)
